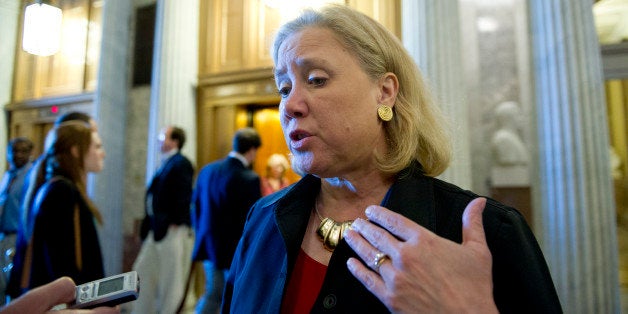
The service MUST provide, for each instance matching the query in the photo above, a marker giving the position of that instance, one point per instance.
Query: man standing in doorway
(164, 259)
(224, 192)
(11, 195)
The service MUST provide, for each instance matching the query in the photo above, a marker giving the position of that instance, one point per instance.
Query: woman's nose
(294, 105)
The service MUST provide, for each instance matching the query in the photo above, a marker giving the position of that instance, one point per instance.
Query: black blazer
(54, 239)
(171, 190)
(276, 225)
(224, 192)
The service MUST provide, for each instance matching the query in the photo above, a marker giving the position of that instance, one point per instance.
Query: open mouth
(298, 135)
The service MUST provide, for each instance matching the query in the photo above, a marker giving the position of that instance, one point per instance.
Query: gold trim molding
(241, 87)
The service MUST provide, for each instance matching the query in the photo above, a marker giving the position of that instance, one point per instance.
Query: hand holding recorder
(63, 296)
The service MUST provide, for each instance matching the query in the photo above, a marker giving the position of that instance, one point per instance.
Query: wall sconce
(42, 29)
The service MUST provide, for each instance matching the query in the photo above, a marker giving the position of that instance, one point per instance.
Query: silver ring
(378, 260)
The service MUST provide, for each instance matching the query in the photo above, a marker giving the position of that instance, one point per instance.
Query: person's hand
(420, 271)
(43, 299)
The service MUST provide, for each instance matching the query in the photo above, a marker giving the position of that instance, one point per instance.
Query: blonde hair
(416, 131)
(277, 159)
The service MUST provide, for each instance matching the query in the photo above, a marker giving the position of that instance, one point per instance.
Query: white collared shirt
(239, 157)
(167, 155)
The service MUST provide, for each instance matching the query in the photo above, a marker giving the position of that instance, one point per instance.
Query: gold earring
(385, 113)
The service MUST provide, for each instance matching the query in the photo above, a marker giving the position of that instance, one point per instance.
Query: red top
(268, 189)
(304, 285)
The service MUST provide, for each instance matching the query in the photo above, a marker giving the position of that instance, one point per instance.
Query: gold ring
(379, 260)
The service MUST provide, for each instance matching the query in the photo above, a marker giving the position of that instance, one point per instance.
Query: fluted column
(574, 194)
(107, 188)
(9, 14)
(173, 90)
(431, 33)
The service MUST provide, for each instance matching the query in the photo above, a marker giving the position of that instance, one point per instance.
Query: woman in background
(275, 178)
(60, 237)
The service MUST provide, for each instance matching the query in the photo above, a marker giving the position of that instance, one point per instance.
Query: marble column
(431, 33)
(173, 90)
(9, 14)
(576, 217)
(107, 188)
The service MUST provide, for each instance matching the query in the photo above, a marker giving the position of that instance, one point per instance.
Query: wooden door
(266, 122)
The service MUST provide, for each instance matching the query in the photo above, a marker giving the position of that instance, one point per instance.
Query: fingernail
(356, 224)
(350, 265)
(348, 236)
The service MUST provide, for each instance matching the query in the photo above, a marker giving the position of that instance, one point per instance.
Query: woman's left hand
(420, 271)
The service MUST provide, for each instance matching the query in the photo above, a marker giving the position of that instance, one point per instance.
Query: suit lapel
(165, 165)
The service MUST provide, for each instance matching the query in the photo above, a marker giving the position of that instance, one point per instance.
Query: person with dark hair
(76, 116)
(224, 192)
(59, 238)
(369, 228)
(164, 259)
(177, 134)
(19, 156)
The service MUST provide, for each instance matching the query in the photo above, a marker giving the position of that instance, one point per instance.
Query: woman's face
(276, 170)
(94, 158)
(328, 106)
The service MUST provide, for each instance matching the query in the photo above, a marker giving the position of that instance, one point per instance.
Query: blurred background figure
(59, 238)
(224, 192)
(28, 184)
(510, 154)
(275, 178)
(164, 259)
(11, 194)
(507, 145)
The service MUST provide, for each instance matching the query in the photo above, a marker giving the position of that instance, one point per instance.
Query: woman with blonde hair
(275, 178)
(369, 229)
(59, 237)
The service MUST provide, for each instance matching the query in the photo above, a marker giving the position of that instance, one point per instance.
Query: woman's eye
(317, 81)
(284, 91)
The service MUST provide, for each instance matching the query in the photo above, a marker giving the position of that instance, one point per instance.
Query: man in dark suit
(224, 192)
(163, 261)
(11, 196)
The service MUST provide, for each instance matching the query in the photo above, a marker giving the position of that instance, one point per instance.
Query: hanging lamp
(42, 29)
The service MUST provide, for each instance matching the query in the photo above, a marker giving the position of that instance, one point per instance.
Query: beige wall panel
(387, 12)
(93, 46)
(264, 22)
(24, 86)
(207, 29)
(64, 71)
(224, 128)
(232, 36)
(204, 135)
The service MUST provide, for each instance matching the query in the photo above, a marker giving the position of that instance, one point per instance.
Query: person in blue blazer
(163, 262)
(224, 192)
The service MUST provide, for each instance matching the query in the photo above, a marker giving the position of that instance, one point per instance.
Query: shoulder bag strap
(77, 238)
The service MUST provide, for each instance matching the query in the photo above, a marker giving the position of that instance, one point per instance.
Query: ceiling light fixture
(42, 29)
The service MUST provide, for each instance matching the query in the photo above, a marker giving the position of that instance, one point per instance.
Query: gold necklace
(329, 231)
